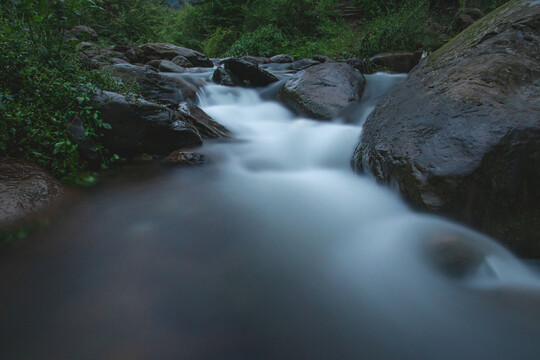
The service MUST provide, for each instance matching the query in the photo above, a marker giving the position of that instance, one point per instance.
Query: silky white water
(276, 250)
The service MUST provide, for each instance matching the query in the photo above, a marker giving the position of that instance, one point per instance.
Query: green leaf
(106, 126)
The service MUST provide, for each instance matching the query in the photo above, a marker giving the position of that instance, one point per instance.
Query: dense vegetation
(44, 85)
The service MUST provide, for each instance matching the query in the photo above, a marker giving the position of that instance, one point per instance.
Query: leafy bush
(265, 41)
(42, 88)
(219, 42)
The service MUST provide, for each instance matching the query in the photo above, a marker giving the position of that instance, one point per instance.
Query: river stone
(322, 91)
(167, 66)
(250, 74)
(25, 190)
(166, 88)
(206, 126)
(281, 59)
(186, 158)
(162, 51)
(223, 77)
(182, 61)
(461, 136)
(303, 64)
(140, 126)
(323, 59)
(257, 60)
(398, 61)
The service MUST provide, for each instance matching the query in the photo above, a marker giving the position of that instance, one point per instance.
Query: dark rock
(86, 147)
(115, 61)
(461, 136)
(303, 64)
(322, 91)
(186, 158)
(257, 60)
(131, 55)
(162, 51)
(82, 32)
(166, 66)
(182, 61)
(462, 21)
(167, 88)
(323, 59)
(26, 190)
(361, 65)
(122, 48)
(207, 127)
(398, 61)
(250, 74)
(223, 77)
(139, 126)
(281, 59)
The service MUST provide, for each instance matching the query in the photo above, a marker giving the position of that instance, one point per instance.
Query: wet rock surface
(26, 190)
(140, 126)
(398, 61)
(168, 88)
(323, 91)
(186, 158)
(461, 136)
(248, 73)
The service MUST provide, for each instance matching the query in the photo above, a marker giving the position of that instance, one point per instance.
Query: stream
(276, 250)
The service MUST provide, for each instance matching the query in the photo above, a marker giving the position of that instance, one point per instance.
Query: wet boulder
(461, 136)
(398, 61)
(207, 127)
(323, 91)
(323, 59)
(26, 190)
(223, 77)
(168, 88)
(162, 51)
(249, 74)
(166, 66)
(282, 59)
(182, 61)
(257, 60)
(303, 64)
(138, 126)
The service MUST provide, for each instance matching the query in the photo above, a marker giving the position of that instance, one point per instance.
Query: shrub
(265, 41)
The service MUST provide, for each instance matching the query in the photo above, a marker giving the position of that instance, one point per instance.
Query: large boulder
(322, 91)
(303, 64)
(25, 190)
(282, 59)
(168, 88)
(461, 136)
(223, 77)
(248, 73)
(139, 126)
(162, 51)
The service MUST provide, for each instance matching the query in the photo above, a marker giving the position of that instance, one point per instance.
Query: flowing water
(275, 251)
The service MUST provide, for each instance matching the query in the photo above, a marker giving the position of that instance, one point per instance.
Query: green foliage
(219, 42)
(265, 41)
(40, 92)
(129, 21)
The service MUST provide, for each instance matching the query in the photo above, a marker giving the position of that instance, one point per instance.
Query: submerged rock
(139, 126)
(322, 91)
(461, 136)
(26, 190)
